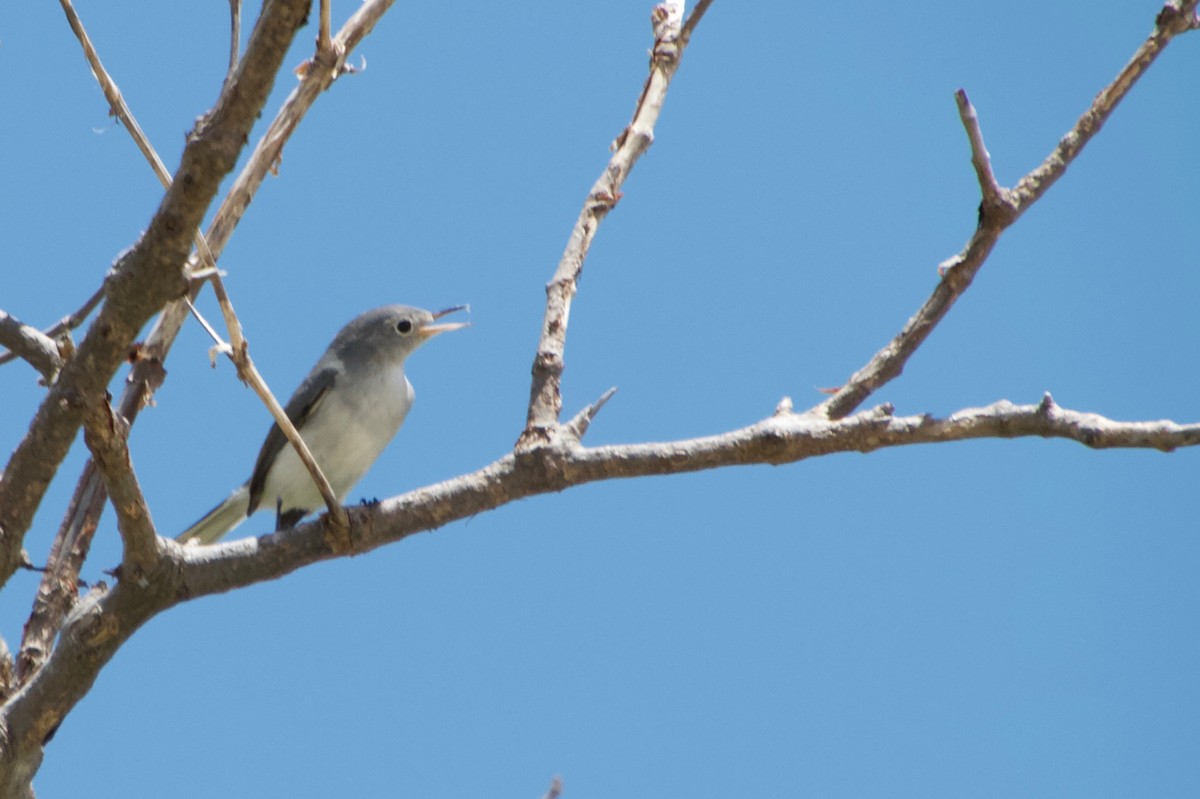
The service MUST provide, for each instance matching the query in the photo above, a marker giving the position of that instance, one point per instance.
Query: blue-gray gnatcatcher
(346, 410)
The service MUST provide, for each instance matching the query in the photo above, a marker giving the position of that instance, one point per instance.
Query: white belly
(346, 433)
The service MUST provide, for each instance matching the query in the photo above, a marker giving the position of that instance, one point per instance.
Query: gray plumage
(347, 410)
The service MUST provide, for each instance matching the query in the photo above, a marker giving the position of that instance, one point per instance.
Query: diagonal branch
(116, 101)
(1175, 17)
(74, 538)
(545, 394)
(106, 435)
(144, 278)
(1000, 208)
(240, 355)
(238, 352)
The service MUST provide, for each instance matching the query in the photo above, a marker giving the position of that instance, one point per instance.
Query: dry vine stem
(168, 574)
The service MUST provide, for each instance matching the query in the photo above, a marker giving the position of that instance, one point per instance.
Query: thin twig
(116, 102)
(122, 111)
(999, 211)
(239, 353)
(579, 424)
(324, 30)
(545, 394)
(989, 187)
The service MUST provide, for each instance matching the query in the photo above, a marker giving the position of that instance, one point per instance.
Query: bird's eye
(404, 326)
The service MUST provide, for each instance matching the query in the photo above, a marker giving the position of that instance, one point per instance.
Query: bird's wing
(299, 408)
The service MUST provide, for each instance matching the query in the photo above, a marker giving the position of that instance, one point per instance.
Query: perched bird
(346, 410)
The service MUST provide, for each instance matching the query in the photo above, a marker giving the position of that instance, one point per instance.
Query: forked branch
(1000, 208)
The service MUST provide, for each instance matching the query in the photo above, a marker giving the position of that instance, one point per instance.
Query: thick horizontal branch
(105, 619)
(780, 439)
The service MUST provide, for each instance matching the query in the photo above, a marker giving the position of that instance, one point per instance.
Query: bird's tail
(220, 520)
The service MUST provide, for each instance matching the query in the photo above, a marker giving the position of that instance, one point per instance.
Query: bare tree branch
(238, 350)
(59, 585)
(105, 618)
(239, 353)
(116, 102)
(32, 345)
(577, 427)
(67, 323)
(145, 277)
(106, 435)
(163, 574)
(689, 25)
(74, 538)
(989, 187)
(268, 152)
(1176, 17)
(1000, 208)
(776, 440)
(545, 394)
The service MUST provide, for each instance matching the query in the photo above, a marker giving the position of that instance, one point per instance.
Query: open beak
(429, 331)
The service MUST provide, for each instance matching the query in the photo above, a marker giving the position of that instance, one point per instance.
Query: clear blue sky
(996, 618)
